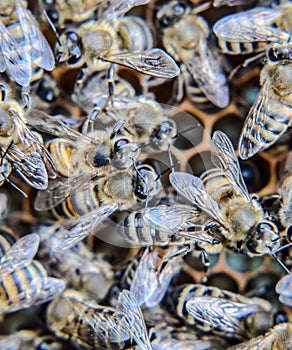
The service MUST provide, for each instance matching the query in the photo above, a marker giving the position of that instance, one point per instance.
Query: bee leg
(25, 96)
(88, 124)
(205, 259)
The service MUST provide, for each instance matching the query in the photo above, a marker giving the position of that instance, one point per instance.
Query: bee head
(172, 12)
(163, 135)
(280, 52)
(264, 240)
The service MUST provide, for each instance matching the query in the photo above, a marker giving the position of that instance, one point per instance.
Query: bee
(30, 339)
(147, 268)
(100, 151)
(185, 37)
(146, 123)
(250, 31)
(270, 115)
(21, 148)
(96, 43)
(239, 222)
(92, 325)
(24, 281)
(277, 338)
(86, 193)
(197, 304)
(22, 43)
(78, 266)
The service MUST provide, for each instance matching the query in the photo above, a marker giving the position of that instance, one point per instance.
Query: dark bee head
(280, 52)
(172, 12)
(163, 135)
(265, 239)
(69, 49)
(148, 184)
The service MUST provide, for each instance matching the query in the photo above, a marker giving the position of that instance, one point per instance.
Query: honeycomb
(190, 153)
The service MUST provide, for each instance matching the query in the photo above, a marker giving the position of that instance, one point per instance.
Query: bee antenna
(16, 187)
(282, 248)
(202, 7)
(52, 27)
(281, 263)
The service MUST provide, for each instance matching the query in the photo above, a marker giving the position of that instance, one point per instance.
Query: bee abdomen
(239, 48)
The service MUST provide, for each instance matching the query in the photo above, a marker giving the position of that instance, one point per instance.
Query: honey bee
(148, 275)
(96, 43)
(197, 304)
(101, 327)
(251, 30)
(24, 281)
(185, 37)
(270, 115)
(221, 194)
(21, 148)
(78, 266)
(277, 338)
(86, 193)
(30, 339)
(22, 43)
(146, 122)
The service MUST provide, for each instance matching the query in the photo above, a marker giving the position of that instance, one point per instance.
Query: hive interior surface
(190, 153)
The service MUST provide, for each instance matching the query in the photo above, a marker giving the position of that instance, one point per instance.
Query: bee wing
(145, 275)
(164, 276)
(128, 304)
(41, 52)
(50, 125)
(155, 62)
(258, 132)
(251, 25)
(192, 188)
(59, 190)
(218, 3)
(207, 72)
(219, 313)
(20, 254)
(29, 166)
(73, 231)
(17, 61)
(119, 7)
(225, 158)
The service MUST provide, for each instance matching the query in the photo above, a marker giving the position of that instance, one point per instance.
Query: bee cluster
(124, 223)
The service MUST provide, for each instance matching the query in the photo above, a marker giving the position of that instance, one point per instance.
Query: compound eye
(273, 55)
(179, 9)
(47, 94)
(264, 226)
(120, 144)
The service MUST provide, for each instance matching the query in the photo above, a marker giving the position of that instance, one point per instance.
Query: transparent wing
(41, 52)
(29, 166)
(145, 280)
(208, 74)
(225, 158)
(17, 61)
(59, 190)
(218, 3)
(50, 125)
(20, 254)
(219, 313)
(128, 304)
(74, 230)
(251, 25)
(192, 188)
(155, 62)
(120, 7)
